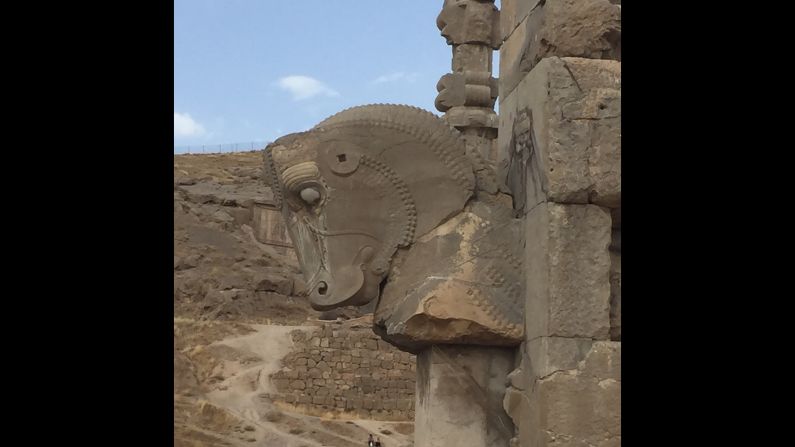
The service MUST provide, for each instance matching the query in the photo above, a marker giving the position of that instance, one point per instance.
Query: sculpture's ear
(341, 159)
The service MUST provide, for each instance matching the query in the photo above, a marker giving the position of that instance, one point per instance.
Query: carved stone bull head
(378, 183)
(358, 186)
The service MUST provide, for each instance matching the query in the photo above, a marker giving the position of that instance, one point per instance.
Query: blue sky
(253, 70)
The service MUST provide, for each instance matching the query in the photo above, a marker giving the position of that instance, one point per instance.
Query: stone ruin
(489, 244)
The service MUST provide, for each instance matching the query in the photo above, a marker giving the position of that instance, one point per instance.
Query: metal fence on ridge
(220, 148)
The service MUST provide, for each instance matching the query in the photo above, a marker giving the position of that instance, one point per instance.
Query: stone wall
(346, 372)
(559, 157)
(536, 29)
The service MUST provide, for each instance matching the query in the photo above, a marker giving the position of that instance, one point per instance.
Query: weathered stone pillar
(467, 95)
(459, 396)
(559, 156)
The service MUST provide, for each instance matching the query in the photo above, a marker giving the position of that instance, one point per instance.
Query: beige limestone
(615, 295)
(560, 134)
(461, 283)
(573, 399)
(564, 28)
(459, 397)
(568, 265)
(470, 21)
(394, 199)
(512, 13)
(471, 57)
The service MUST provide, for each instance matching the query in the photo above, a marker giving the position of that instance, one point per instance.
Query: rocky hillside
(236, 303)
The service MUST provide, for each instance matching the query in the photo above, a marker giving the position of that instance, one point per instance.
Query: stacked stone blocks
(347, 373)
(559, 156)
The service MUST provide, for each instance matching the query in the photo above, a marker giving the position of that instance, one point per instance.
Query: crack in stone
(573, 78)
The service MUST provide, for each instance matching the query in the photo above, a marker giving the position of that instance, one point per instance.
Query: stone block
(583, 407)
(615, 295)
(512, 12)
(563, 28)
(459, 396)
(544, 355)
(568, 265)
(571, 398)
(560, 134)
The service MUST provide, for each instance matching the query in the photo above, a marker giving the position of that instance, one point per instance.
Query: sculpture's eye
(310, 195)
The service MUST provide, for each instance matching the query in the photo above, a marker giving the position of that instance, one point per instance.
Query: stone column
(559, 156)
(467, 95)
(459, 396)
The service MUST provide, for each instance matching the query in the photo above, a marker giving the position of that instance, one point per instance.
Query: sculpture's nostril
(322, 288)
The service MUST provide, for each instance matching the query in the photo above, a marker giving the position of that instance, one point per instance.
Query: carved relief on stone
(522, 142)
(461, 283)
(470, 21)
(358, 186)
(378, 182)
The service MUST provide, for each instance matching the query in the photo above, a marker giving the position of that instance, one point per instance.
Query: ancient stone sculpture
(507, 287)
(470, 21)
(467, 95)
(381, 202)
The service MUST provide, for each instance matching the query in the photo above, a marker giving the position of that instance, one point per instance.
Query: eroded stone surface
(568, 265)
(384, 176)
(470, 21)
(512, 13)
(577, 402)
(459, 397)
(564, 28)
(461, 283)
(615, 294)
(560, 134)
(397, 181)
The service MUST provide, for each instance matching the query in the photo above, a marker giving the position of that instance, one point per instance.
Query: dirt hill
(236, 303)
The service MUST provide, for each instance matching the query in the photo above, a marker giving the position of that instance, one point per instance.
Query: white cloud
(185, 126)
(304, 87)
(394, 77)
